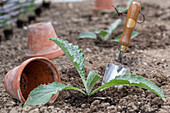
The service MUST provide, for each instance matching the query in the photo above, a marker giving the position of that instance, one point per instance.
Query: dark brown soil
(147, 56)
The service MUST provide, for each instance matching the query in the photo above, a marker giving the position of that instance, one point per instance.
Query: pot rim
(50, 55)
(25, 63)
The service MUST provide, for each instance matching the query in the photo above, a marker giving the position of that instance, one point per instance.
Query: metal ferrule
(123, 48)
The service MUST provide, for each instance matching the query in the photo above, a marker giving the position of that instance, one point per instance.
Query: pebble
(163, 111)
(27, 108)
(51, 107)
(105, 104)
(134, 107)
(13, 110)
(111, 108)
(87, 110)
(83, 105)
(96, 102)
(12, 103)
(36, 110)
(145, 63)
(156, 101)
(89, 50)
(20, 109)
(43, 108)
(93, 108)
(61, 111)
(54, 111)
(25, 28)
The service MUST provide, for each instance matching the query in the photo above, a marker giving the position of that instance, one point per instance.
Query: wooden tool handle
(130, 23)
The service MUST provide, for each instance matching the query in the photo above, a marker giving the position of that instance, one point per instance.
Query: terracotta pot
(101, 5)
(39, 44)
(20, 81)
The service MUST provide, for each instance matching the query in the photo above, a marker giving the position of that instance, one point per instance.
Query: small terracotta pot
(20, 81)
(101, 5)
(39, 44)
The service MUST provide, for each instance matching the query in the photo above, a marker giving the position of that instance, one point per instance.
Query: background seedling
(3, 22)
(103, 34)
(22, 21)
(119, 8)
(122, 8)
(43, 93)
(22, 12)
(134, 34)
(31, 11)
(8, 31)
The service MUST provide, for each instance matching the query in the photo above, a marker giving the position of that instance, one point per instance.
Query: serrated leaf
(134, 34)
(91, 80)
(43, 93)
(90, 35)
(133, 80)
(74, 54)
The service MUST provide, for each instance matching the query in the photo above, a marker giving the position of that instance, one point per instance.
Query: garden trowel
(115, 70)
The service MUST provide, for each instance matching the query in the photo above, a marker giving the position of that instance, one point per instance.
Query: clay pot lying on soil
(46, 4)
(21, 23)
(20, 81)
(39, 44)
(31, 18)
(8, 33)
(38, 11)
(101, 5)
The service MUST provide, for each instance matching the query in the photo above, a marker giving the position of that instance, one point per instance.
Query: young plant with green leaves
(134, 34)
(30, 9)
(43, 93)
(4, 23)
(22, 11)
(122, 9)
(103, 34)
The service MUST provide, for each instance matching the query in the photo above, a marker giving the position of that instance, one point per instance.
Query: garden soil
(147, 56)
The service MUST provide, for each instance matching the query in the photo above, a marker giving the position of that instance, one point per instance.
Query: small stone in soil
(105, 104)
(36, 110)
(96, 102)
(13, 110)
(83, 105)
(111, 108)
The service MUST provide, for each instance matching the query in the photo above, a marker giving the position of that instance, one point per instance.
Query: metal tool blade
(112, 71)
